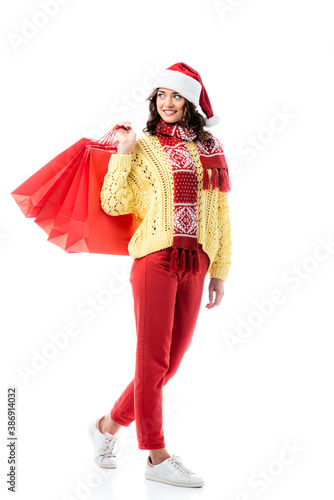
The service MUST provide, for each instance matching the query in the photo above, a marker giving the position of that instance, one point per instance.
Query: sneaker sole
(90, 429)
(160, 479)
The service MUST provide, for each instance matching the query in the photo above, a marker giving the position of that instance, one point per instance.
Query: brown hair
(190, 118)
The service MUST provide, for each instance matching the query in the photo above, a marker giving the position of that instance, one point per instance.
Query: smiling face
(170, 105)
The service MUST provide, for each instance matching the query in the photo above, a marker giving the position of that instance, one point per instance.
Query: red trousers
(166, 307)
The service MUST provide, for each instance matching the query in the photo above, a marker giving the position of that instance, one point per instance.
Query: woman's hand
(126, 137)
(215, 285)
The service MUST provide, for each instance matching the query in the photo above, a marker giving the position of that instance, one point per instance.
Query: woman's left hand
(216, 285)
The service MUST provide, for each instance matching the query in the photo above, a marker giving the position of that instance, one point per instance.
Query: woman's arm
(117, 192)
(117, 197)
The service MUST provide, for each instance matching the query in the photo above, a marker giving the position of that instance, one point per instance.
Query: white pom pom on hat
(184, 79)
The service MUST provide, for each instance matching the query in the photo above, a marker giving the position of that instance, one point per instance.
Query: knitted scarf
(184, 255)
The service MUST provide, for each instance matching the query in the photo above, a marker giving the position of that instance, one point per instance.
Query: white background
(242, 394)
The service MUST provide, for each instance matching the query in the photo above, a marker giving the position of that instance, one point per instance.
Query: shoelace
(107, 449)
(176, 461)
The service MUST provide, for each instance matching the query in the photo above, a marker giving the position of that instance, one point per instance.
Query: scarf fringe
(224, 180)
(174, 260)
(206, 180)
(219, 179)
(214, 178)
(188, 262)
(197, 266)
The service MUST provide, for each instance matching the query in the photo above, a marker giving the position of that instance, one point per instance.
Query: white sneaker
(172, 471)
(105, 455)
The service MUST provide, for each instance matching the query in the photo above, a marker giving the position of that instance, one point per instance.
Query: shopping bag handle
(107, 142)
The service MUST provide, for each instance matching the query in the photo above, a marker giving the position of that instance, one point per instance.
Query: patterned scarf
(184, 255)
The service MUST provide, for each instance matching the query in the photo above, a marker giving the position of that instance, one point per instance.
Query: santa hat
(184, 79)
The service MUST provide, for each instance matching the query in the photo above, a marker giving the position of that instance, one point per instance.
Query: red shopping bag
(32, 194)
(64, 196)
(91, 229)
(77, 227)
(46, 216)
(59, 232)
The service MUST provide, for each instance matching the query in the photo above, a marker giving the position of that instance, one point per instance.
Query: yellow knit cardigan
(142, 183)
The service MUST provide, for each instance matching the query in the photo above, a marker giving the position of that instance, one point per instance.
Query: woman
(175, 180)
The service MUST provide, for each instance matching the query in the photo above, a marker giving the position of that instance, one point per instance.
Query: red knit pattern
(185, 223)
